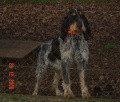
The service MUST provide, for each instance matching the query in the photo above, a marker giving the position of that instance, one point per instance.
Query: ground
(30, 98)
(41, 22)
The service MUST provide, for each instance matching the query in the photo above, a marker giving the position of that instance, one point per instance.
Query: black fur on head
(75, 16)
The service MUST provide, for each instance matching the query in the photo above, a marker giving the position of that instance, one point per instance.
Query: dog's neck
(75, 37)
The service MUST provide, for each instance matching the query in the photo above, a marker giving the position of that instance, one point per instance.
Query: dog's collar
(75, 35)
(70, 32)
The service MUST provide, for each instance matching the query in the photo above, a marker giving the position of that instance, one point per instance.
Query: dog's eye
(73, 14)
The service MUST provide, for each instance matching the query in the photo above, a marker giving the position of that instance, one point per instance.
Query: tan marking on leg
(67, 91)
(82, 79)
(84, 89)
(55, 84)
(36, 89)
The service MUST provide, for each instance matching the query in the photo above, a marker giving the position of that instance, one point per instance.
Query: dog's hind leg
(66, 81)
(82, 70)
(41, 68)
(39, 74)
(56, 83)
(42, 63)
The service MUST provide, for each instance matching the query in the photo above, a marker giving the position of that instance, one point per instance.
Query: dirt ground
(41, 22)
(30, 98)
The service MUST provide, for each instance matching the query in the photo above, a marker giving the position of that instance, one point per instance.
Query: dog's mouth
(74, 29)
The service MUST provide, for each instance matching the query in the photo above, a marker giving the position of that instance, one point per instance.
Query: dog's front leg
(82, 70)
(66, 81)
(56, 82)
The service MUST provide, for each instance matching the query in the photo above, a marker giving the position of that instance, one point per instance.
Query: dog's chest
(76, 49)
(66, 49)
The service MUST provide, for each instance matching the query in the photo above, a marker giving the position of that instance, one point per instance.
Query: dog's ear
(64, 28)
(87, 32)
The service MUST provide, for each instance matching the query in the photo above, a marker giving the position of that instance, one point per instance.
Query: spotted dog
(59, 52)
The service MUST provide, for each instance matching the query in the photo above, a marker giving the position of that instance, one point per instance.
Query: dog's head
(75, 23)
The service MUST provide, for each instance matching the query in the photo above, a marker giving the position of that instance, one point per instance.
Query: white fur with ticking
(74, 48)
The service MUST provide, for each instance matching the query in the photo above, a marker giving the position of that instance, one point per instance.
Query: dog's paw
(69, 95)
(34, 93)
(86, 95)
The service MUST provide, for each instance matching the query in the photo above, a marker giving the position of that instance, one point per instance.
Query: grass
(110, 46)
(30, 98)
(51, 1)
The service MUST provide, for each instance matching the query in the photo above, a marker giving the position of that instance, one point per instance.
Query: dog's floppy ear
(87, 32)
(64, 28)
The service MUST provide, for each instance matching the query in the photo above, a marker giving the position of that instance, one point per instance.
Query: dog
(70, 46)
